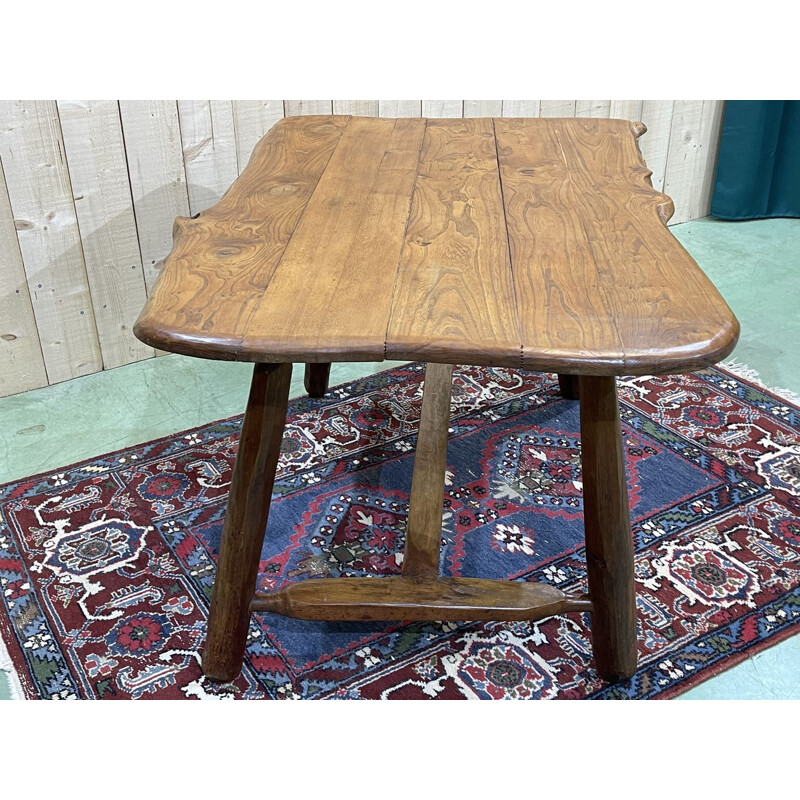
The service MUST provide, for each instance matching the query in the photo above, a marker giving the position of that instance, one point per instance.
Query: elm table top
(533, 243)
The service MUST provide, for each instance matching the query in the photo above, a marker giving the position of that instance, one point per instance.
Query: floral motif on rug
(106, 567)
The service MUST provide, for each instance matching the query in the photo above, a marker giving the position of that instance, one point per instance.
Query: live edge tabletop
(533, 243)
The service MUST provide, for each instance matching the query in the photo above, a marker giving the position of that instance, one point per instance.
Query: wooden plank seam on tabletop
(546, 243)
(350, 227)
(298, 154)
(454, 277)
(607, 288)
(508, 248)
(346, 118)
(403, 239)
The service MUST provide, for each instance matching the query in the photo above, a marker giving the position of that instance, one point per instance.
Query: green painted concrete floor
(755, 265)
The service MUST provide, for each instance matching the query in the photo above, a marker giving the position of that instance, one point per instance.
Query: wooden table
(531, 243)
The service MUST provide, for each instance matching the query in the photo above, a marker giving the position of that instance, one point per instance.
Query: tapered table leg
(316, 379)
(568, 384)
(424, 531)
(609, 544)
(246, 520)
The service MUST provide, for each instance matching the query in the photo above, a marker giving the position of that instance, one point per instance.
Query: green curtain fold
(758, 166)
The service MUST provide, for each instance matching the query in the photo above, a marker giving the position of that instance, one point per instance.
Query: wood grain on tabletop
(222, 262)
(603, 286)
(453, 297)
(516, 242)
(333, 288)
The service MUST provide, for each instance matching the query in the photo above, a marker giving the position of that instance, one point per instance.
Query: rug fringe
(749, 374)
(7, 666)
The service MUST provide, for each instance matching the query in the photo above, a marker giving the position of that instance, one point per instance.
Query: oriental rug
(107, 566)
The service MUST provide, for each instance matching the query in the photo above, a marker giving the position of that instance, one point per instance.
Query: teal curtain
(758, 167)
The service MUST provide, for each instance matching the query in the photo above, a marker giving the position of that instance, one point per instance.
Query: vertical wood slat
(358, 108)
(98, 174)
(21, 360)
(521, 108)
(557, 108)
(684, 144)
(483, 108)
(158, 178)
(301, 108)
(626, 109)
(400, 108)
(208, 139)
(40, 194)
(252, 119)
(706, 162)
(442, 108)
(593, 108)
(694, 139)
(657, 116)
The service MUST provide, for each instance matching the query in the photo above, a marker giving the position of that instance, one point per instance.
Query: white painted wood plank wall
(208, 138)
(89, 191)
(251, 120)
(98, 173)
(38, 184)
(21, 360)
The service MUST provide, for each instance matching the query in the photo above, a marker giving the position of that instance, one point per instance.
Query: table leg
(424, 530)
(316, 379)
(569, 386)
(609, 544)
(246, 520)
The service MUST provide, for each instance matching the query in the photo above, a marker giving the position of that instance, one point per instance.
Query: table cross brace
(420, 594)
